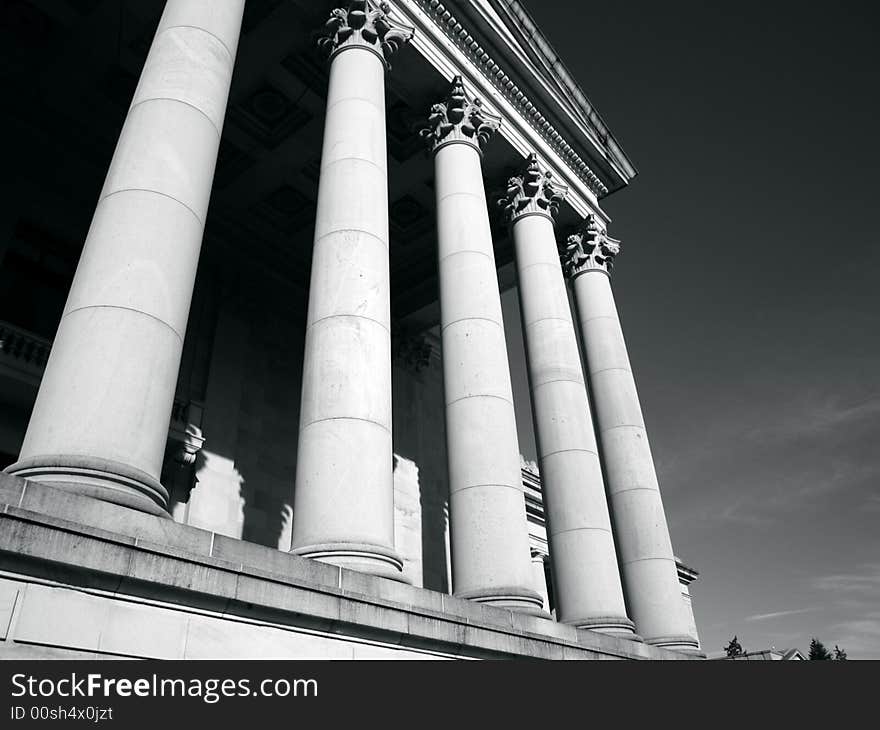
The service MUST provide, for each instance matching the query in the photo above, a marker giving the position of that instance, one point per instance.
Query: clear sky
(748, 290)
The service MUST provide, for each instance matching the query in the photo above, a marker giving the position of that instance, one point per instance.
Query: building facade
(258, 397)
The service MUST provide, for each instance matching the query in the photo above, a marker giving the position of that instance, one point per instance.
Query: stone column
(100, 422)
(344, 498)
(491, 560)
(650, 577)
(583, 560)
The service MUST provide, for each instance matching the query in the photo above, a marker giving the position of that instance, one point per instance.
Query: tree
(818, 650)
(733, 649)
(839, 654)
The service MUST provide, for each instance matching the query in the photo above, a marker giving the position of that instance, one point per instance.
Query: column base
(681, 644)
(362, 557)
(619, 626)
(513, 598)
(92, 476)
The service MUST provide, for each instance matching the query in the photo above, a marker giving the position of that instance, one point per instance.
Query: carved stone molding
(533, 192)
(185, 434)
(589, 249)
(459, 119)
(23, 352)
(365, 24)
(530, 466)
(411, 351)
(467, 44)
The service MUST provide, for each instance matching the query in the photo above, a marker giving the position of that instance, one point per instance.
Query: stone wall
(244, 473)
(243, 363)
(421, 522)
(93, 579)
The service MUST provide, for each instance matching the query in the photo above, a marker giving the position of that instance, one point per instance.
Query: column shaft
(490, 549)
(647, 564)
(100, 422)
(585, 573)
(344, 509)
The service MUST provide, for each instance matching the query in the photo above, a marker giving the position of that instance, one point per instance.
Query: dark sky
(748, 290)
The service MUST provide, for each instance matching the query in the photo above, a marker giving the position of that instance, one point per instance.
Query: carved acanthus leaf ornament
(533, 192)
(459, 119)
(589, 249)
(364, 23)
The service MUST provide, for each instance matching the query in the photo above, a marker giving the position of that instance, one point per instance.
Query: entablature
(461, 39)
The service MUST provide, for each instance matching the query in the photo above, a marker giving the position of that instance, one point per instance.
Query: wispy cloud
(872, 504)
(777, 614)
(779, 461)
(815, 416)
(865, 581)
(856, 593)
(869, 626)
(860, 636)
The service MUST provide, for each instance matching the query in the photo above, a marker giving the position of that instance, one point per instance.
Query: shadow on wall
(266, 516)
(421, 483)
(435, 543)
(211, 493)
(244, 473)
(421, 520)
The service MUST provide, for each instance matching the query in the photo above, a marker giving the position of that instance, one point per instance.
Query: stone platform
(81, 578)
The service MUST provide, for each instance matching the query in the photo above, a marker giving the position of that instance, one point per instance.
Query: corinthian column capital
(459, 119)
(533, 192)
(589, 249)
(364, 24)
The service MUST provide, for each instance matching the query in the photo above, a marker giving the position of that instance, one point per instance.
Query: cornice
(452, 27)
(551, 70)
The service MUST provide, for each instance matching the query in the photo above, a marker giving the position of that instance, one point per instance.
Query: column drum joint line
(580, 529)
(127, 309)
(559, 380)
(623, 425)
(154, 192)
(464, 251)
(605, 370)
(493, 485)
(344, 418)
(177, 101)
(472, 319)
(568, 451)
(206, 32)
(343, 315)
(509, 401)
(349, 229)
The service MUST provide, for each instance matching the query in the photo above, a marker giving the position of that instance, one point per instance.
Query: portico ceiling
(72, 67)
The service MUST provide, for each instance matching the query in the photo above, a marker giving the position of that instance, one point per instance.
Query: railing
(23, 348)
(26, 354)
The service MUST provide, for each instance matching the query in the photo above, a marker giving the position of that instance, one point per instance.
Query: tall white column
(491, 559)
(586, 579)
(100, 421)
(344, 498)
(650, 576)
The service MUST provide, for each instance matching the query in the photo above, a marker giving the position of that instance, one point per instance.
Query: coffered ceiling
(70, 68)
